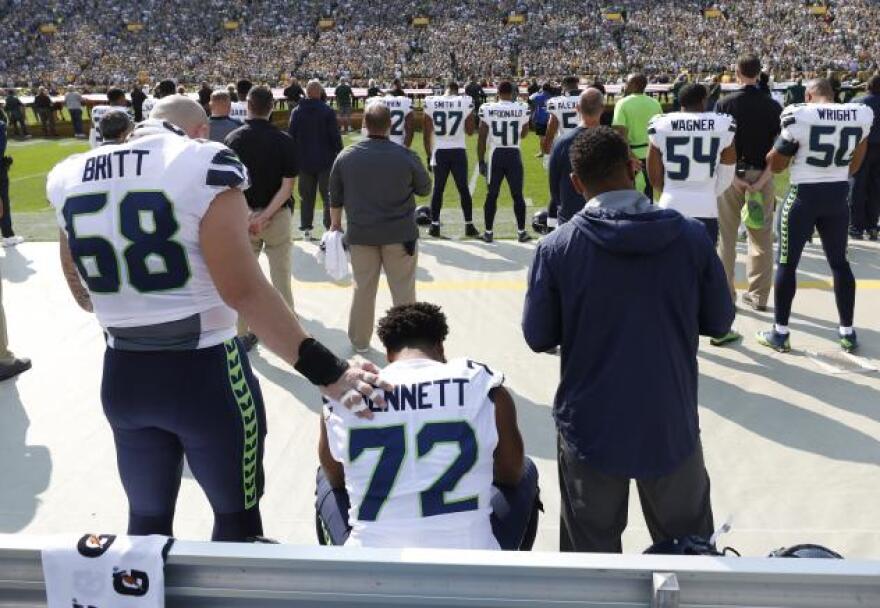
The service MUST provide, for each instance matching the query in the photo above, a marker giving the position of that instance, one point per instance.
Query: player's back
(505, 120)
(419, 474)
(238, 110)
(691, 144)
(399, 107)
(564, 108)
(147, 107)
(131, 213)
(448, 115)
(823, 137)
(96, 114)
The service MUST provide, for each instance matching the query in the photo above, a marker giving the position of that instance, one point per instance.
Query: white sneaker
(362, 351)
(12, 241)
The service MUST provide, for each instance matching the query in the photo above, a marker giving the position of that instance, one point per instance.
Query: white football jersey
(448, 114)
(238, 111)
(131, 213)
(419, 474)
(97, 113)
(505, 120)
(564, 108)
(691, 144)
(822, 138)
(400, 108)
(147, 107)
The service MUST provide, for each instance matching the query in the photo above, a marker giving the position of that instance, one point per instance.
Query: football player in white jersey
(402, 125)
(692, 159)
(420, 473)
(163, 89)
(239, 108)
(503, 124)
(156, 229)
(824, 143)
(563, 113)
(115, 100)
(447, 120)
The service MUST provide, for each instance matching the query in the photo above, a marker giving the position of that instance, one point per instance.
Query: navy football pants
(505, 163)
(514, 512)
(823, 207)
(866, 192)
(452, 161)
(203, 404)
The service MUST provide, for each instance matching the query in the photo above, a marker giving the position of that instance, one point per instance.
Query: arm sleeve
(291, 168)
(555, 173)
(724, 178)
(787, 143)
(337, 192)
(716, 307)
(619, 119)
(224, 171)
(333, 132)
(541, 322)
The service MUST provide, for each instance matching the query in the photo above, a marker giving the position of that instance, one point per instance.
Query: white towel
(106, 571)
(333, 255)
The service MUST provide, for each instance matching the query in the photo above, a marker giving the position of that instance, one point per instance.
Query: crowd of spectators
(219, 40)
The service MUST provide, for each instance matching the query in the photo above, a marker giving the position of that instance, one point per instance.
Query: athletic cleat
(728, 338)
(434, 230)
(856, 235)
(471, 231)
(523, 237)
(775, 340)
(487, 237)
(849, 342)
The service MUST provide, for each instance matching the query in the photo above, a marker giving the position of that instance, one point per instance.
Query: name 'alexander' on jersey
(564, 108)
(822, 138)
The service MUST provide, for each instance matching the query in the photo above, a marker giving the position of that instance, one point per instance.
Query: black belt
(633, 146)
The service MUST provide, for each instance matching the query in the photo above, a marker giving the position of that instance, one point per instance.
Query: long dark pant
(711, 224)
(514, 512)
(309, 186)
(6, 220)
(454, 162)
(506, 163)
(594, 505)
(47, 120)
(218, 423)
(76, 117)
(823, 207)
(649, 190)
(18, 123)
(865, 200)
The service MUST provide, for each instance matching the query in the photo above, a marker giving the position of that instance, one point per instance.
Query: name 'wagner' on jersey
(505, 120)
(822, 138)
(131, 213)
(419, 474)
(691, 144)
(448, 115)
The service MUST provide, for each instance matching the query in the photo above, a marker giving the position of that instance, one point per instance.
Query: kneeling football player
(441, 467)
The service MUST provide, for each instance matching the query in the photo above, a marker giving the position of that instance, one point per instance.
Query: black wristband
(318, 364)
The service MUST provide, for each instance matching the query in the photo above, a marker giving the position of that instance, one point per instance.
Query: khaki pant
(367, 261)
(275, 240)
(759, 263)
(6, 356)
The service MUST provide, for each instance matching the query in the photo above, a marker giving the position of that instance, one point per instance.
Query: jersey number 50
(134, 208)
(391, 440)
(841, 154)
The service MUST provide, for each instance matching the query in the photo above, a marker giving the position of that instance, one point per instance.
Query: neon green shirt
(634, 112)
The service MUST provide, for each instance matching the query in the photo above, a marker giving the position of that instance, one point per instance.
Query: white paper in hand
(333, 255)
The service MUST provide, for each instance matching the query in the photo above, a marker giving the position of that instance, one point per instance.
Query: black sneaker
(487, 237)
(249, 341)
(523, 237)
(471, 231)
(856, 235)
(434, 230)
(11, 370)
(872, 234)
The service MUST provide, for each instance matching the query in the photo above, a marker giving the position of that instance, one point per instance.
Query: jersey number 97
(144, 243)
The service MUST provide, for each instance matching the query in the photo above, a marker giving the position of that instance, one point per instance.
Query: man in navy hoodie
(316, 137)
(626, 289)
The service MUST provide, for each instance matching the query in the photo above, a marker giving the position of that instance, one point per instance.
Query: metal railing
(226, 575)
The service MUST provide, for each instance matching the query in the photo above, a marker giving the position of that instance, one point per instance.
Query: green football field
(33, 159)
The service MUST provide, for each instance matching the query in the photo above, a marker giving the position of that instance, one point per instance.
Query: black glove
(7, 161)
(484, 168)
(430, 168)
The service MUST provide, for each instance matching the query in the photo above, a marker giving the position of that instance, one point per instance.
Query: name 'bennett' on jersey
(417, 397)
(701, 124)
(101, 166)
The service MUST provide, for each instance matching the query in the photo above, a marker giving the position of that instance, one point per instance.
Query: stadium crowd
(63, 41)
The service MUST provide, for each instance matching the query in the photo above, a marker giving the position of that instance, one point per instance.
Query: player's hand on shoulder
(360, 380)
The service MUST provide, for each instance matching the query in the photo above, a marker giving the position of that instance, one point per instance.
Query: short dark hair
(505, 87)
(115, 95)
(638, 82)
(571, 83)
(692, 96)
(114, 124)
(452, 86)
(243, 87)
(165, 88)
(598, 153)
(417, 325)
(874, 84)
(749, 65)
(260, 101)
